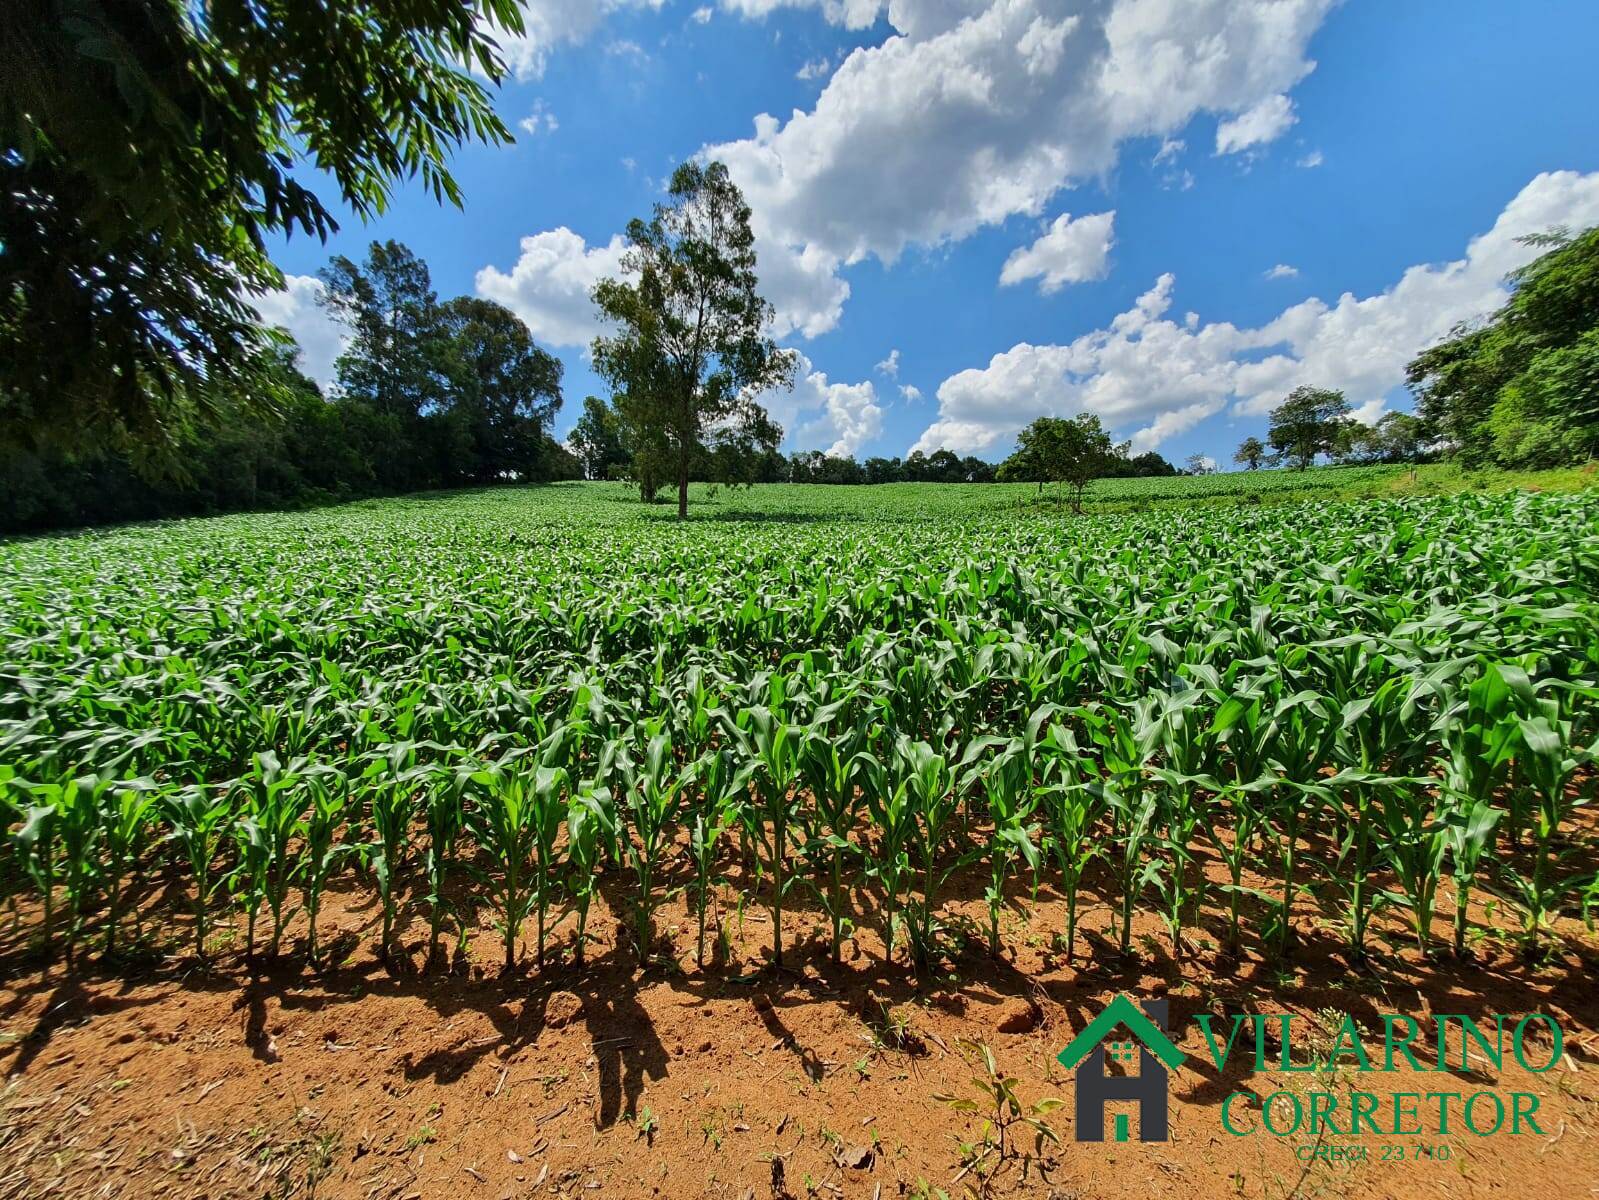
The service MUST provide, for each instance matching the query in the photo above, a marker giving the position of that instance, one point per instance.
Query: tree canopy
(147, 150)
(430, 395)
(1251, 453)
(691, 349)
(1522, 389)
(1072, 453)
(1308, 422)
(597, 440)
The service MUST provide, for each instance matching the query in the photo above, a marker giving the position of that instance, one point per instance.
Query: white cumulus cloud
(1150, 378)
(971, 113)
(852, 14)
(1265, 122)
(1282, 271)
(890, 365)
(549, 285)
(814, 68)
(540, 118)
(1068, 252)
(548, 24)
(839, 418)
(297, 307)
(1170, 149)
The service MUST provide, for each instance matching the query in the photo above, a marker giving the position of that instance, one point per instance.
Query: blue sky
(1169, 212)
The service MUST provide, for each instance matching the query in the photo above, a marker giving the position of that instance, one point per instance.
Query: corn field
(483, 704)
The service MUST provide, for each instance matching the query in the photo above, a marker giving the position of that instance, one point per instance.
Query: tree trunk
(682, 487)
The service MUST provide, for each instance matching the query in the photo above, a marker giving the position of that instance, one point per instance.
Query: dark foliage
(1522, 390)
(437, 395)
(147, 150)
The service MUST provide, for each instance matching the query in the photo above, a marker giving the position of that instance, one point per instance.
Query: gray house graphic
(1096, 1088)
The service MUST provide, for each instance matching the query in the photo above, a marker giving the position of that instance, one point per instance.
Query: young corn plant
(443, 810)
(1372, 739)
(930, 787)
(1006, 783)
(1548, 757)
(391, 780)
(722, 787)
(1071, 810)
(1301, 735)
(1480, 737)
(550, 785)
(124, 823)
(509, 804)
(1242, 778)
(894, 823)
(33, 845)
(320, 848)
(1126, 738)
(1415, 847)
(591, 828)
(771, 745)
(79, 803)
(1134, 812)
(272, 798)
(830, 768)
(652, 793)
(200, 817)
(1470, 824)
(1185, 802)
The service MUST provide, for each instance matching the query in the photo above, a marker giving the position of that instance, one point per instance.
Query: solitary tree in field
(148, 151)
(1308, 422)
(690, 349)
(1069, 453)
(1251, 453)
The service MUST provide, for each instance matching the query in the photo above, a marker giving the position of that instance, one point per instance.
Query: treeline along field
(481, 701)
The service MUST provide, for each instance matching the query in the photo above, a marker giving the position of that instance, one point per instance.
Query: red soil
(375, 1081)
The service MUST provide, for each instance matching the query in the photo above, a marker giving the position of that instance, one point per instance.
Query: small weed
(424, 1136)
(646, 1125)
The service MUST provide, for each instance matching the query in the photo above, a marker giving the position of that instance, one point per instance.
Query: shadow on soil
(627, 1051)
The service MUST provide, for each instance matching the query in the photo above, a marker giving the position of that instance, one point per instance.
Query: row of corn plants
(1371, 799)
(471, 709)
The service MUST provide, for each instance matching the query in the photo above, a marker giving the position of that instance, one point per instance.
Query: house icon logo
(1095, 1087)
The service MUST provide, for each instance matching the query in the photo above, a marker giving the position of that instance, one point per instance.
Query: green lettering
(1270, 1105)
(1322, 1105)
(1403, 1113)
(1287, 1063)
(1555, 1052)
(1227, 1118)
(1495, 1054)
(1499, 1112)
(1402, 1045)
(1348, 1042)
(1260, 1041)
(1443, 1099)
(1219, 1057)
(1516, 1112)
(1365, 1109)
